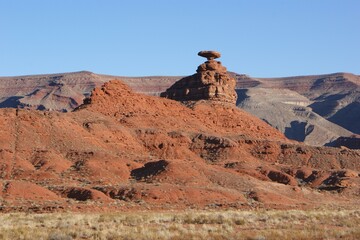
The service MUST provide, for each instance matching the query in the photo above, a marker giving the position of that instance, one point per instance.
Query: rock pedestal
(211, 82)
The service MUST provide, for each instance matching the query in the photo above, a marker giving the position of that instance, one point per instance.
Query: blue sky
(262, 38)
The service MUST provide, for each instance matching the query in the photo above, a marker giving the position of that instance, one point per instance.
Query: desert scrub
(293, 224)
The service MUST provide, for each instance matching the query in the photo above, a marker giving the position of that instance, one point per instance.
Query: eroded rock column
(211, 82)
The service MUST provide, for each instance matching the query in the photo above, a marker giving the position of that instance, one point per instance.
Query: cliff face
(128, 150)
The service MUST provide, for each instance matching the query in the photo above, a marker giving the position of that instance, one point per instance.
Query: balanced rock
(210, 55)
(211, 82)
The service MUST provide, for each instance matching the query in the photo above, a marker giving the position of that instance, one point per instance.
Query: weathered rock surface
(125, 150)
(211, 82)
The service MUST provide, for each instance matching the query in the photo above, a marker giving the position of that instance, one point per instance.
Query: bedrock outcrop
(211, 82)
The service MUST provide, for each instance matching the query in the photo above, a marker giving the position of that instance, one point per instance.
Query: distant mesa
(211, 82)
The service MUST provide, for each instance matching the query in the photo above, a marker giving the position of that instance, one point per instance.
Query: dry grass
(293, 224)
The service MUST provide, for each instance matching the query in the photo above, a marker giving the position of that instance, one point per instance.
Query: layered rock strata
(211, 82)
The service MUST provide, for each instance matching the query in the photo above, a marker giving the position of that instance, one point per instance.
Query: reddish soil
(124, 150)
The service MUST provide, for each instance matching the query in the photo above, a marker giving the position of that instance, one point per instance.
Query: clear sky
(262, 38)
